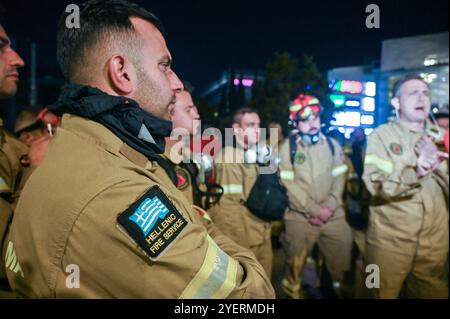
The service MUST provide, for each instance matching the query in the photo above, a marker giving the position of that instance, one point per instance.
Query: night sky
(206, 37)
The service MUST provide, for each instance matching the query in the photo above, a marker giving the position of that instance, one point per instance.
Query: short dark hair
(98, 18)
(239, 113)
(402, 80)
(27, 116)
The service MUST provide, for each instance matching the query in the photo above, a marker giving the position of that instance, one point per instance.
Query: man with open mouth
(407, 237)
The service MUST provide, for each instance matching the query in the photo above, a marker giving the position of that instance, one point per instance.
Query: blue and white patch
(153, 222)
(148, 213)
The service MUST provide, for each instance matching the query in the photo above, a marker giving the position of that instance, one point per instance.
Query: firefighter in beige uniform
(110, 215)
(11, 182)
(313, 171)
(237, 175)
(11, 149)
(185, 123)
(407, 237)
(192, 167)
(11, 168)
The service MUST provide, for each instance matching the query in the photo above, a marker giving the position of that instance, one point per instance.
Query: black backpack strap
(330, 145)
(292, 146)
(212, 195)
(213, 192)
(169, 167)
(191, 168)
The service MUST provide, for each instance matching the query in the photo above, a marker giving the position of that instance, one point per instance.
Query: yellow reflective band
(310, 261)
(206, 217)
(3, 186)
(216, 277)
(230, 278)
(11, 260)
(295, 107)
(372, 159)
(232, 189)
(287, 175)
(339, 170)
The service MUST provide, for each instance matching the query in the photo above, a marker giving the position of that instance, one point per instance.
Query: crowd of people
(99, 182)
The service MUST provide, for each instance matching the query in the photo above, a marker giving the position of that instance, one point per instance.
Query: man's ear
(235, 126)
(171, 110)
(122, 75)
(395, 103)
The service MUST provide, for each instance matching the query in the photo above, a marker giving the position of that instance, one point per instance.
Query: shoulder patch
(153, 222)
(300, 158)
(3, 186)
(182, 178)
(396, 148)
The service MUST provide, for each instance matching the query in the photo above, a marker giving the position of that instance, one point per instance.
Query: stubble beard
(149, 97)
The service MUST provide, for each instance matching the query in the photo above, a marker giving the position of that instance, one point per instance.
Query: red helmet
(303, 107)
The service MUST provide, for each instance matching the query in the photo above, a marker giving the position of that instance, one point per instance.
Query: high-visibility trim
(206, 217)
(11, 260)
(232, 189)
(216, 277)
(339, 170)
(311, 261)
(291, 287)
(3, 186)
(287, 175)
(384, 165)
(230, 279)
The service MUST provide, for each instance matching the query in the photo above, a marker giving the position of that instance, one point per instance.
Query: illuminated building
(354, 97)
